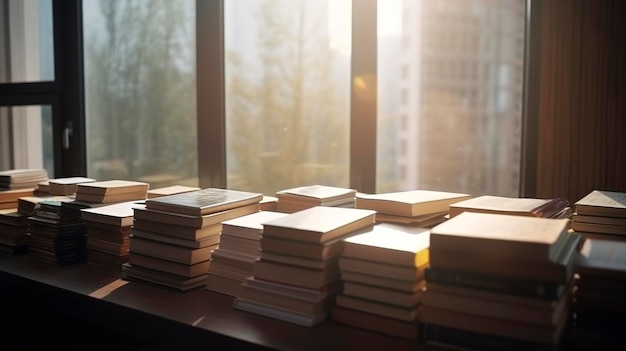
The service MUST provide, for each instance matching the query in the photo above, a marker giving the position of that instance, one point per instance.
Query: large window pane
(140, 90)
(26, 41)
(26, 138)
(288, 93)
(450, 79)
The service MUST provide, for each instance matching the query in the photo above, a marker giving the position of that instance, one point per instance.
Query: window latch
(67, 132)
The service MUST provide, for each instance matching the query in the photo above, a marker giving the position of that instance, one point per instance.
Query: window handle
(67, 132)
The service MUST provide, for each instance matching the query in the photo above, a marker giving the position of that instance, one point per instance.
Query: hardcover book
(605, 258)
(320, 195)
(602, 203)
(170, 190)
(518, 237)
(111, 187)
(205, 201)
(302, 249)
(192, 220)
(377, 308)
(532, 207)
(66, 186)
(409, 203)
(319, 224)
(375, 323)
(119, 214)
(390, 243)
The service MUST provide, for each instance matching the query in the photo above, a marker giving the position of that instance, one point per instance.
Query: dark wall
(581, 142)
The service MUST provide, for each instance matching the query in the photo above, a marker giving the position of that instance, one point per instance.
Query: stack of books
(601, 215)
(9, 198)
(66, 186)
(42, 188)
(599, 302)
(297, 277)
(498, 280)
(110, 191)
(232, 262)
(22, 178)
(54, 237)
(108, 233)
(173, 236)
(300, 198)
(13, 231)
(382, 269)
(170, 190)
(517, 206)
(422, 208)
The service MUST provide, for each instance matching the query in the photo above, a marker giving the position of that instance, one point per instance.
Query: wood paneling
(582, 98)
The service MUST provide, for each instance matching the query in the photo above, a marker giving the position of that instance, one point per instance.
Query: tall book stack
(423, 208)
(516, 206)
(599, 303)
(382, 269)
(108, 233)
(232, 262)
(300, 198)
(601, 215)
(66, 186)
(497, 280)
(173, 236)
(297, 277)
(55, 238)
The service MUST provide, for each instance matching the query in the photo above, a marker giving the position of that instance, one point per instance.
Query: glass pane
(288, 93)
(450, 90)
(140, 91)
(26, 138)
(26, 41)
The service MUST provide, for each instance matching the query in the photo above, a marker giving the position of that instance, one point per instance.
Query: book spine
(468, 340)
(526, 288)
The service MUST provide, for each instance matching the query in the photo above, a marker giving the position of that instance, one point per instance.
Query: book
(298, 261)
(22, 178)
(599, 228)
(12, 196)
(293, 291)
(375, 323)
(409, 203)
(112, 187)
(517, 287)
(460, 339)
(578, 218)
(249, 226)
(177, 231)
(559, 271)
(377, 308)
(66, 186)
(383, 294)
(204, 201)
(411, 274)
(390, 283)
(173, 240)
(146, 214)
(119, 214)
(170, 190)
(318, 195)
(159, 278)
(602, 203)
(423, 221)
(319, 224)
(532, 207)
(390, 243)
(171, 267)
(249, 247)
(492, 326)
(303, 319)
(281, 300)
(601, 258)
(516, 310)
(302, 249)
(111, 198)
(269, 203)
(517, 237)
(223, 285)
(170, 252)
(294, 275)
(119, 237)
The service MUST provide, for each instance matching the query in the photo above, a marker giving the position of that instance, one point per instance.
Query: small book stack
(269, 203)
(516, 206)
(498, 280)
(9, 198)
(108, 232)
(382, 269)
(55, 238)
(170, 190)
(42, 188)
(422, 208)
(13, 231)
(66, 186)
(110, 191)
(601, 215)
(232, 262)
(300, 198)
(599, 303)
(297, 277)
(22, 178)
(173, 236)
